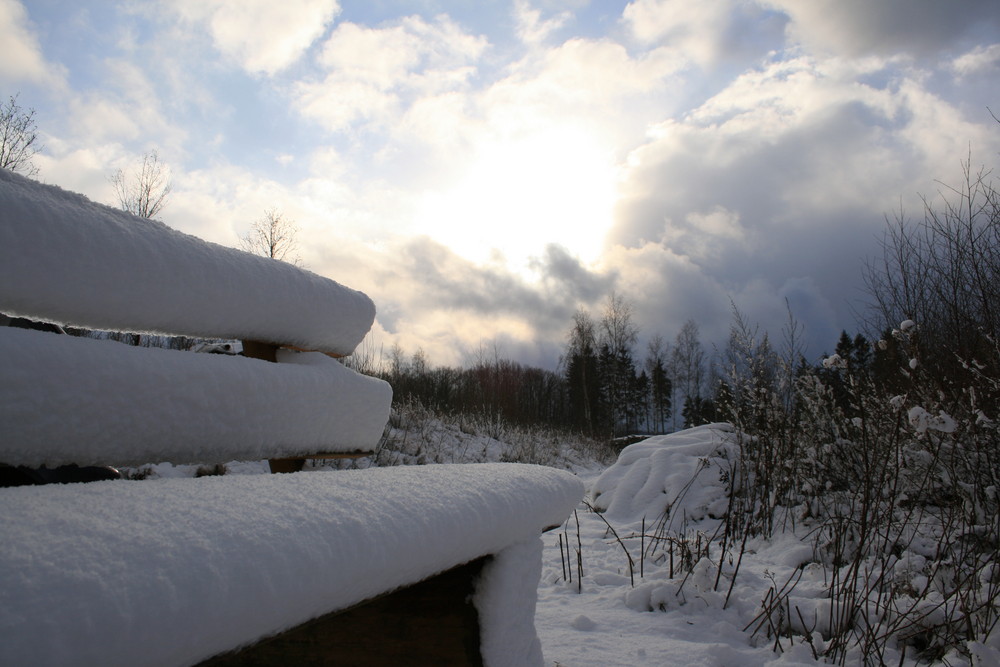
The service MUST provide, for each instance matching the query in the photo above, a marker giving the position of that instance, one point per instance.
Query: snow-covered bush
(892, 473)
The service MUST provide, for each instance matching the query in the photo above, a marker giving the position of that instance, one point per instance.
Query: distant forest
(603, 389)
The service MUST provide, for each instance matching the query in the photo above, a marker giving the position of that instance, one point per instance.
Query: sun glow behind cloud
(553, 185)
(483, 169)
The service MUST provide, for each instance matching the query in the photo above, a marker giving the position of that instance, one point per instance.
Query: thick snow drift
(680, 471)
(173, 571)
(67, 259)
(92, 402)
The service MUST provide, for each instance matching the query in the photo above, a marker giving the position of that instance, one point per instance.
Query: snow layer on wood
(173, 571)
(96, 402)
(680, 472)
(505, 599)
(67, 259)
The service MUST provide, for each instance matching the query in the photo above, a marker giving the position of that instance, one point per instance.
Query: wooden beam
(432, 623)
(256, 349)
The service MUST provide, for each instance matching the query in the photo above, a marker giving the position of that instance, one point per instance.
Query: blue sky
(482, 169)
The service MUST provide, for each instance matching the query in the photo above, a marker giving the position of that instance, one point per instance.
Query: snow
(684, 620)
(67, 259)
(505, 600)
(922, 421)
(173, 571)
(97, 402)
(675, 471)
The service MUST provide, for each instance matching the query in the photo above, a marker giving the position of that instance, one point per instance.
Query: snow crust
(66, 259)
(173, 571)
(96, 402)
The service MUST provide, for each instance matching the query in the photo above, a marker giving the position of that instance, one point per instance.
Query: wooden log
(295, 464)
(256, 349)
(432, 623)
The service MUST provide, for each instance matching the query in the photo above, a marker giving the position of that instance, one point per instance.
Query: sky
(483, 169)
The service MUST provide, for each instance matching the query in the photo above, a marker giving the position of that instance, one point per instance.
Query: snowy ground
(610, 618)
(597, 625)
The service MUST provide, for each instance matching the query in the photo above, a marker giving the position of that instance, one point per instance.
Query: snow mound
(67, 259)
(173, 571)
(681, 471)
(96, 402)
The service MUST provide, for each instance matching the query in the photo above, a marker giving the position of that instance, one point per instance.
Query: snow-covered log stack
(177, 571)
(68, 260)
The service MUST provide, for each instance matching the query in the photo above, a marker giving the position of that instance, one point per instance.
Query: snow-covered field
(617, 615)
(610, 618)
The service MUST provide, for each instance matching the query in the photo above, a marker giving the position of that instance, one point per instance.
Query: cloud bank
(482, 173)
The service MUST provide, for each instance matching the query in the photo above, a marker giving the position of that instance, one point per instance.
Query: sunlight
(556, 186)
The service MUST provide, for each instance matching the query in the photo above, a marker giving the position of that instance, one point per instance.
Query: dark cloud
(448, 282)
(763, 197)
(451, 282)
(568, 279)
(915, 27)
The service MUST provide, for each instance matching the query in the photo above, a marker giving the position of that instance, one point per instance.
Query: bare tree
(272, 236)
(944, 273)
(144, 192)
(617, 328)
(18, 138)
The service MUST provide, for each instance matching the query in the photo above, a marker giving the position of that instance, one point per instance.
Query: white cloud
(374, 74)
(981, 59)
(22, 59)
(79, 169)
(261, 35)
(585, 83)
(128, 109)
(531, 27)
(703, 33)
(693, 28)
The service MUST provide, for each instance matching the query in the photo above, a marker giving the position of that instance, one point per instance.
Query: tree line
(601, 387)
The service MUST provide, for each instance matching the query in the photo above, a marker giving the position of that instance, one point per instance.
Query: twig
(631, 563)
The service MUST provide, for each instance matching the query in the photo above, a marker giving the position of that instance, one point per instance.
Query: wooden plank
(432, 623)
(332, 355)
(295, 464)
(358, 454)
(286, 465)
(255, 349)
